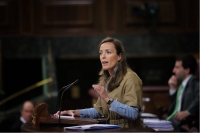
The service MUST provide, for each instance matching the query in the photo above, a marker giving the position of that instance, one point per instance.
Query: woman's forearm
(89, 113)
(125, 110)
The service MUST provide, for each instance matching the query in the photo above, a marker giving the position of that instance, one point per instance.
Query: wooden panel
(68, 13)
(3, 14)
(192, 15)
(167, 12)
(65, 16)
(161, 99)
(132, 18)
(9, 17)
(111, 11)
(26, 16)
(148, 106)
(157, 97)
(157, 15)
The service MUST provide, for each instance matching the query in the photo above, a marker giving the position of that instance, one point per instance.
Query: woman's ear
(119, 57)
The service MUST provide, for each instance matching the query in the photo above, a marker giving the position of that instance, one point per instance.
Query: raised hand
(101, 91)
(173, 82)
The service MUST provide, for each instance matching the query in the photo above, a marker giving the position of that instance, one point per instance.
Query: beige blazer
(129, 92)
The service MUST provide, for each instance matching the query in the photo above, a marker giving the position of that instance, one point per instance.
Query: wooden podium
(45, 122)
(41, 115)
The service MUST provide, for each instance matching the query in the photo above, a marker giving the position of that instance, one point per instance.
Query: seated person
(26, 116)
(184, 91)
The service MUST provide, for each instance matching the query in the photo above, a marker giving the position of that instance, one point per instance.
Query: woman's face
(108, 56)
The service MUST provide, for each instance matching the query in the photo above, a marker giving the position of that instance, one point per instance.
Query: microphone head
(67, 86)
(59, 100)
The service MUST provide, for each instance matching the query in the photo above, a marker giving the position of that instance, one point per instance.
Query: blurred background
(47, 44)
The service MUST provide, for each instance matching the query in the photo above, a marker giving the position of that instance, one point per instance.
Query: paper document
(163, 129)
(92, 127)
(159, 125)
(147, 115)
(156, 121)
(66, 116)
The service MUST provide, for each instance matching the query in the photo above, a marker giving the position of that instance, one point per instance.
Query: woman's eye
(108, 52)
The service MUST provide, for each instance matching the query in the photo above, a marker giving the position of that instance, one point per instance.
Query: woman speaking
(119, 88)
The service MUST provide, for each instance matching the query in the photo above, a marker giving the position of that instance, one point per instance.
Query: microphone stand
(58, 94)
(68, 86)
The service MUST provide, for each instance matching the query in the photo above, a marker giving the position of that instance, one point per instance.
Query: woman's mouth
(104, 62)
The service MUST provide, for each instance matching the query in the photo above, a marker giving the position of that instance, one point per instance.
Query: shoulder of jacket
(193, 82)
(194, 79)
(131, 75)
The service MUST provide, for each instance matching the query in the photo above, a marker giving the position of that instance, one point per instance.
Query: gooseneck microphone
(64, 88)
(58, 100)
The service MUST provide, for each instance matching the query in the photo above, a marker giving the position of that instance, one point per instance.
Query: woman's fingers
(70, 112)
(98, 88)
(101, 91)
(56, 114)
(61, 113)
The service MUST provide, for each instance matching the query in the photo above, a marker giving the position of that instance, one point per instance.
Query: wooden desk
(76, 121)
(45, 122)
(53, 127)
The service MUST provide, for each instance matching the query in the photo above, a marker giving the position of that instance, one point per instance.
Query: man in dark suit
(184, 91)
(26, 116)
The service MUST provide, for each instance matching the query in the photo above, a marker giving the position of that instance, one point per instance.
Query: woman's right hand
(68, 112)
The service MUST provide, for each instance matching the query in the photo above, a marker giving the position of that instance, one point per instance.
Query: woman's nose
(103, 55)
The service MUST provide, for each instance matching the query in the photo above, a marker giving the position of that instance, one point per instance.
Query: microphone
(59, 92)
(65, 88)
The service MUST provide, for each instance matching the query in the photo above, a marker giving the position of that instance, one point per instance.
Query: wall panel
(97, 17)
(3, 14)
(155, 97)
(25, 17)
(9, 17)
(143, 16)
(192, 15)
(58, 17)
